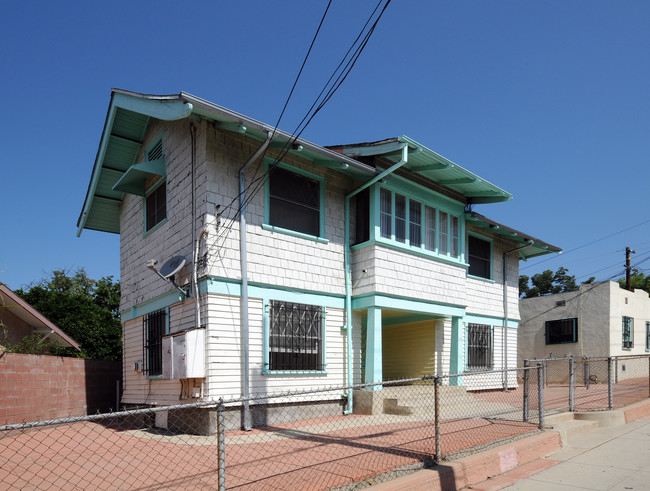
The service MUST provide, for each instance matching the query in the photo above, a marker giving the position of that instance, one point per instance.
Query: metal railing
(299, 439)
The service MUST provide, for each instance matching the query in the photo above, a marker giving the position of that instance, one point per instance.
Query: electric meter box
(183, 354)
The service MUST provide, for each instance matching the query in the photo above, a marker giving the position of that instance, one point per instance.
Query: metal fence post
(610, 385)
(572, 385)
(436, 397)
(540, 394)
(221, 439)
(526, 391)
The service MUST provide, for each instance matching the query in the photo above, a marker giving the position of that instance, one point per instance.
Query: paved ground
(613, 458)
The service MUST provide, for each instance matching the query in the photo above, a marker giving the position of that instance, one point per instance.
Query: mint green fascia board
(490, 320)
(166, 110)
(101, 153)
(267, 199)
(161, 302)
(225, 286)
(393, 302)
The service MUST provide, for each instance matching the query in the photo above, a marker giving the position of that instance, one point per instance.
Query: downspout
(246, 417)
(348, 273)
(505, 310)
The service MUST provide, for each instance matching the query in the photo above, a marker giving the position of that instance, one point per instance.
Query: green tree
(547, 283)
(86, 310)
(637, 281)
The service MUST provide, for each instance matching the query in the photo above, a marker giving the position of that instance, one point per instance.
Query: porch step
(392, 407)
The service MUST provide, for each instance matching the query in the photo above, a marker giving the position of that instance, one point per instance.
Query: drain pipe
(348, 273)
(246, 416)
(505, 310)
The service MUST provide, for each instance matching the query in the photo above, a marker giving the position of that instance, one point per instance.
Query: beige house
(295, 266)
(597, 320)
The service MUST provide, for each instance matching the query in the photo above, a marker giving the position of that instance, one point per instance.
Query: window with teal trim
(479, 256)
(295, 337)
(413, 223)
(628, 332)
(294, 202)
(154, 327)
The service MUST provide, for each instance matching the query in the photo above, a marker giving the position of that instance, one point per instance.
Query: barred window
(154, 327)
(295, 336)
(479, 347)
(628, 332)
(562, 331)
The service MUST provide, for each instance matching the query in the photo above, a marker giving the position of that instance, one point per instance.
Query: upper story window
(479, 256)
(296, 202)
(155, 202)
(562, 331)
(628, 332)
(413, 223)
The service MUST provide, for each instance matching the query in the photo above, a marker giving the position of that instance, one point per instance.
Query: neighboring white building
(362, 262)
(597, 320)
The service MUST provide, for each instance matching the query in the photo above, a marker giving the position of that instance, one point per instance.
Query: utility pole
(628, 269)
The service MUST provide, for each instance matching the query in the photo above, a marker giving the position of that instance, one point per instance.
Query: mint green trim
(133, 180)
(225, 286)
(267, 200)
(374, 368)
(424, 199)
(286, 231)
(168, 110)
(490, 320)
(457, 351)
(265, 336)
(479, 278)
(409, 319)
(163, 301)
(392, 302)
(491, 242)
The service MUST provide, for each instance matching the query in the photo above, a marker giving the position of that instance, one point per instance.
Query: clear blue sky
(548, 100)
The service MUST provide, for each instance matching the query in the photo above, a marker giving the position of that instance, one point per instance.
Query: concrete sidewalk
(610, 458)
(594, 458)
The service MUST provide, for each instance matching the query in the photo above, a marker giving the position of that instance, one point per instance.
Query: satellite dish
(172, 266)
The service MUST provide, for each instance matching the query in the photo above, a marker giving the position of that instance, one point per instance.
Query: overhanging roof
(39, 323)
(429, 164)
(535, 247)
(126, 122)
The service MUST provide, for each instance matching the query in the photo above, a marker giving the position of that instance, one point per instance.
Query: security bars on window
(295, 337)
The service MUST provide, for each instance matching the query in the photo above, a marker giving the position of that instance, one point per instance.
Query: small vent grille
(560, 303)
(156, 152)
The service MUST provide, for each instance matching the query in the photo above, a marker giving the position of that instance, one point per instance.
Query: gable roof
(533, 247)
(39, 323)
(122, 137)
(427, 163)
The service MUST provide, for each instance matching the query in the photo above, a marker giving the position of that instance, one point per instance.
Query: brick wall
(34, 387)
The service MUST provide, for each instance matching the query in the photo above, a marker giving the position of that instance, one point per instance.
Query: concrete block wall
(39, 387)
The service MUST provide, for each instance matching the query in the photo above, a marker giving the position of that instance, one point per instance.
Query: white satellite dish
(172, 266)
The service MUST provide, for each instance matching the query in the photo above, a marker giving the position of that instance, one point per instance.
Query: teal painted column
(373, 349)
(457, 356)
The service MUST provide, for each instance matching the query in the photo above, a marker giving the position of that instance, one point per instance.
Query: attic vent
(155, 152)
(560, 303)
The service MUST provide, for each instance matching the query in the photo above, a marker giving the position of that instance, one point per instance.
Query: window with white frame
(295, 201)
(628, 332)
(415, 224)
(562, 331)
(295, 337)
(479, 256)
(479, 347)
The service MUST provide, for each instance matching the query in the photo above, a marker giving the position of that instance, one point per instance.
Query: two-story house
(357, 263)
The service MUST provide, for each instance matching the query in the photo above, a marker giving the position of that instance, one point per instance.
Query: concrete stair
(571, 424)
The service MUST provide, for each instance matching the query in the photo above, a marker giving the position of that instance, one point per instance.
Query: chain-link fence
(298, 440)
(594, 383)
